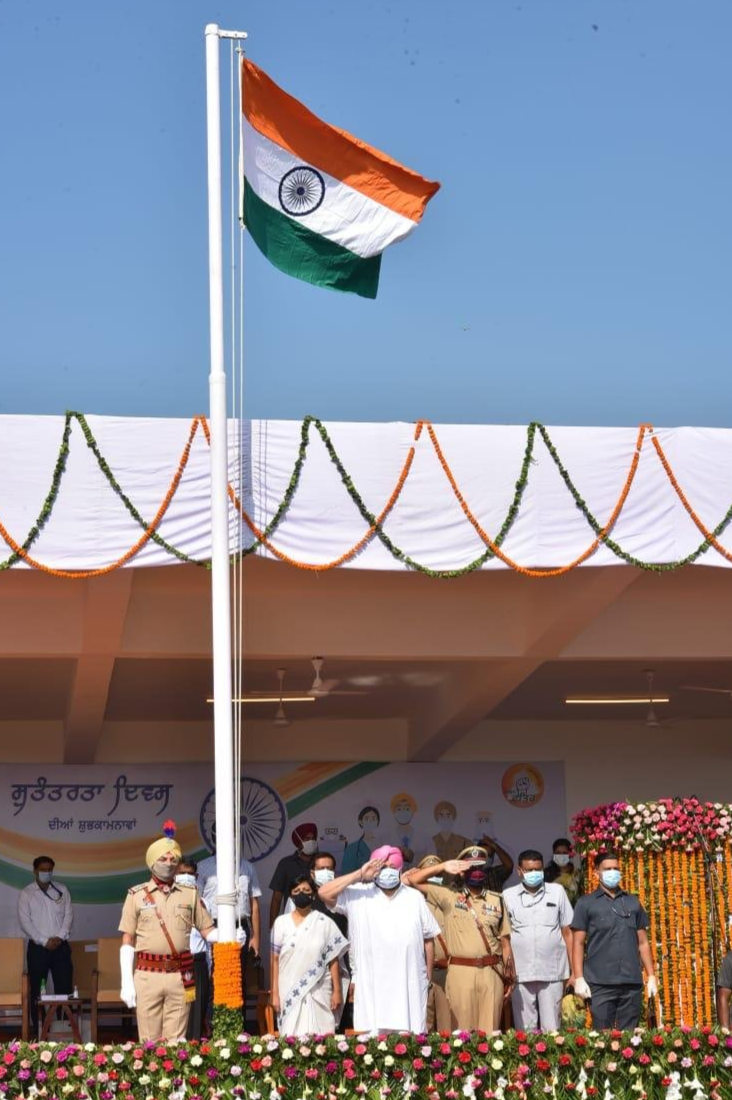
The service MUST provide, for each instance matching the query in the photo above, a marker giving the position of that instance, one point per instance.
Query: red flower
(540, 1048)
(400, 1048)
(581, 1041)
(361, 1048)
(521, 1036)
(657, 1040)
(464, 1056)
(627, 1052)
(255, 1064)
(445, 1048)
(524, 1050)
(565, 1060)
(542, 1065)
(482, 1048)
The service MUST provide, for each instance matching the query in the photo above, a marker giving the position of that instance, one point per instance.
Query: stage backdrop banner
(96, 821)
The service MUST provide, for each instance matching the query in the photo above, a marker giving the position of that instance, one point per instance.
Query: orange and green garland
(374, 521)
(227, 996)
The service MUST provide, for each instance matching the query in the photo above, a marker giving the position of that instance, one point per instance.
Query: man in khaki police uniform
(157, 918)
(480, 971)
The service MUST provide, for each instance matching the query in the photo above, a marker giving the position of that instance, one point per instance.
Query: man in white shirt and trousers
(392, 935)
(45, 915)
(541, 941)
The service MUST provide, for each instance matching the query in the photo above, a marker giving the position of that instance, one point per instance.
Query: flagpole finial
(212, 28)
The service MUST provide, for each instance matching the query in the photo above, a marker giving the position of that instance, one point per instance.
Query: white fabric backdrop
(90, 526)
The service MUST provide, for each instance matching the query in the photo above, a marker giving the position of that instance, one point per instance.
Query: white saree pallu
(305, 952)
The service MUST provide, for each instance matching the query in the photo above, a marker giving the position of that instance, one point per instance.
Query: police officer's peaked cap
(474, 852)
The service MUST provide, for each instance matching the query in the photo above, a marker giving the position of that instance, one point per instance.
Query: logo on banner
(262, 818)
(522, 786)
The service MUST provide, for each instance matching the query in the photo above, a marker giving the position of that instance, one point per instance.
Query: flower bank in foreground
(669, 1064)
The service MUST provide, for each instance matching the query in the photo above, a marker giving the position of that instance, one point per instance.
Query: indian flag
(320, 204)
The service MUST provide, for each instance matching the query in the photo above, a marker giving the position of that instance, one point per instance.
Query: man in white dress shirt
(45, 915)
(392, 935)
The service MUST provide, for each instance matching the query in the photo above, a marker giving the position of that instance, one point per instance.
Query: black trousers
(198, 1018)
(41, 961)
(616, 1006)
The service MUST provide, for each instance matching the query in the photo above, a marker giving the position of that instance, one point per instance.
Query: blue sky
(574, 268)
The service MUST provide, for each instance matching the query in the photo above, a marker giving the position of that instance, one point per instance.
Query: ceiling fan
(321, 688)
(652, 721)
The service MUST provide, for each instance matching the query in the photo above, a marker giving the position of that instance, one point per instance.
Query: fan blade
(714, 691)
(321, 688)
(348, 693)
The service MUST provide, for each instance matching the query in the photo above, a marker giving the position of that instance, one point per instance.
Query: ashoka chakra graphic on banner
(302, 190)
(262, 819)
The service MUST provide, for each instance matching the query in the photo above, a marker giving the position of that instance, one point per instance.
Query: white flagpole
(220, 593)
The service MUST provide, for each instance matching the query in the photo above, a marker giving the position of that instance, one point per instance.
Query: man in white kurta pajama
(392, 944)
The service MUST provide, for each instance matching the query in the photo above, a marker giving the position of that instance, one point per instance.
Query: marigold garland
(227, 975)
(375, 528)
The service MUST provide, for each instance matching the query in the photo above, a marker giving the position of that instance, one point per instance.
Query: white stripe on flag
(345, 216)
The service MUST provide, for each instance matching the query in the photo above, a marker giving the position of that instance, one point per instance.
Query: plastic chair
(14, 985)
(106, 982)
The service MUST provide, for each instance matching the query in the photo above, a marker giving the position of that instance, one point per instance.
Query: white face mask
(309, 847)
(323, 875)
(388, 878)
(561, 859)
(403, 817)
(185, 879)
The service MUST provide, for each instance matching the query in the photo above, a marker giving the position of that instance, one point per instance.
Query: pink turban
(393, 856)
(302, 831)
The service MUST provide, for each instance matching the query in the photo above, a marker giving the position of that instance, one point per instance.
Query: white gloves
(241, 936)
(582, 989)
(127, 970)
(652, 987)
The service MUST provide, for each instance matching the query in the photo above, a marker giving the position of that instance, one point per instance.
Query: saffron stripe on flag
(297, 251)
(287, 122)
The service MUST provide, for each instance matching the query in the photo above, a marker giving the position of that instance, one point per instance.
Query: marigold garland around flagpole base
(662, 847)
(602, 531)
(227, 993)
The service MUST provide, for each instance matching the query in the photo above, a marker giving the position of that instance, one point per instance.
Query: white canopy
(91, 527)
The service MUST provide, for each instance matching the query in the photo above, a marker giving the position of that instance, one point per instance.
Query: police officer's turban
(163, 845)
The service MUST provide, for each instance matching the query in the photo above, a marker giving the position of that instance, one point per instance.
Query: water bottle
(43, 988)
(75, 994)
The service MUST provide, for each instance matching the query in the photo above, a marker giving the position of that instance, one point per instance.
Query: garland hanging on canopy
(375, 529)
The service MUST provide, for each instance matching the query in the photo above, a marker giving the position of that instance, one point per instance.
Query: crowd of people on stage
(442, 945)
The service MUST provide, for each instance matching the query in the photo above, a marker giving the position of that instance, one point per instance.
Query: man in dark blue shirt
(611, 924)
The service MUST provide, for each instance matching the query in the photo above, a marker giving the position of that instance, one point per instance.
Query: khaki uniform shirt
(181, 909)
(462, 935)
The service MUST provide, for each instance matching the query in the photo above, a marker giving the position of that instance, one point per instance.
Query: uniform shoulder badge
(135, 889)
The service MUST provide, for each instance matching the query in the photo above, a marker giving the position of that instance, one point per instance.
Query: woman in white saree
(306, 948)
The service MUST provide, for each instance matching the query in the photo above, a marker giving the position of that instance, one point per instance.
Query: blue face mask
(611, 879)
(388, 878)
(533, 878)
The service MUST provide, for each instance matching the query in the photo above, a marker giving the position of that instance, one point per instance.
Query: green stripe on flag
(297, 251)
(337, 782)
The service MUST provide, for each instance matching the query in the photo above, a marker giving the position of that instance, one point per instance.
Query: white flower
(235, 1071)
(144, 1080)
(496, 1064)
(225, 1053)
(368, 1059)
(641, 807)
(498, 1045)
(388, 1061)
(425, 1051)
(257, 1048)
(457, 1042)
(164, 1083)
(382, 1046)
(89, 1046)
(286, 1054)
(196, 1060)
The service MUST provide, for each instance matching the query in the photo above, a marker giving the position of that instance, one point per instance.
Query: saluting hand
(370, 870)
(456, 866)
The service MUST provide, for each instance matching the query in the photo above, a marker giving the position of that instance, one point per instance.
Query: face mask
(403, 817)
(309, 847)
(163, 871)
(437, 879)
(302, 901)
(185, 879)
(475, 877)
(611, 879)
(560, 859)
(368, 825)
(323, 875)
(45, 876)
(533, 878)
(388, 878)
